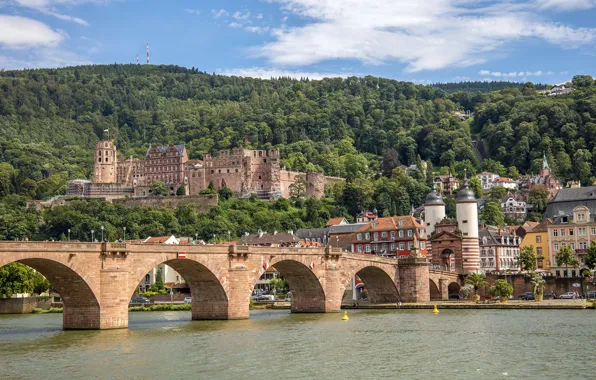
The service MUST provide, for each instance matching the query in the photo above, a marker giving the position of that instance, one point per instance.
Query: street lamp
(213, 238)
(124, 228)
(69, 234)
(229, 238)
(101, 233)
(196, 238)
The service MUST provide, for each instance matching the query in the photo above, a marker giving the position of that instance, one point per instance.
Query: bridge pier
(444, 288)
(414, 279)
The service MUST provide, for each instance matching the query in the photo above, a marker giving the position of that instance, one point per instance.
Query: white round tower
(467, 222)
(434, 212)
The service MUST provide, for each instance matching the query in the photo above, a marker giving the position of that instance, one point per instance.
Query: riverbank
(510, 305)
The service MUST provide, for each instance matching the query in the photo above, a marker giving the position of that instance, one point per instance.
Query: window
(571, 232)
(539, 251)
(465, 221)
(392, 235)
(540, 264)
(401, 233)
(538, 239)
(384, 234)
(367, 236)
(556, 246)
(410, 245)
(402, 246)
(581, 231)
(562, 232)
(581, 217)
(409, 233)
(393, 245)
(593, 230)
(583, 245)
(359, 237)
(401, 223)
(555, 232)
(572, 245)
(421, 245)
(368, 248)
(358, 248)
(376, 236)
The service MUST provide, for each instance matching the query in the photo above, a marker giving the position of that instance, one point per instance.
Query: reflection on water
(415, 344)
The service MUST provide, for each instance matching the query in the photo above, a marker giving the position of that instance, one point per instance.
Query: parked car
(549, 296)
(590, 295)
(266, 297)
(528, 296)
(568, 296)
(187, 299)
(140, 300)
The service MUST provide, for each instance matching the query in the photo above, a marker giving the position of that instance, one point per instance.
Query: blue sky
(423, 41)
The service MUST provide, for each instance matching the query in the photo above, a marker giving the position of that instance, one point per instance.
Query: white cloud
(258, 29)
(20, 32)
(241, 16)
(259, 16)
(48, 7)
(218, 14)
(566, 5)
(42, 58)
(234, 25)
(267, 73)
(193, 11)
(428, 35)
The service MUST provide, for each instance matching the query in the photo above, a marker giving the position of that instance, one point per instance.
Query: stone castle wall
(244, 171)
(203, 203)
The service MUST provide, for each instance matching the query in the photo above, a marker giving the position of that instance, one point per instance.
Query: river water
(404, 344)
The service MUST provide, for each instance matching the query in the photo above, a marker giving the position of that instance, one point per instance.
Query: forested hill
(482, 86)
(50, 120)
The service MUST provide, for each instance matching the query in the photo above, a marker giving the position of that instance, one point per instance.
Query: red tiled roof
(334, 221)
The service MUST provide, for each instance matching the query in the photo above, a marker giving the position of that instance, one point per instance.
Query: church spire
(545, 162)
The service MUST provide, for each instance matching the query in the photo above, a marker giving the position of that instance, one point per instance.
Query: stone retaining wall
(23, 305)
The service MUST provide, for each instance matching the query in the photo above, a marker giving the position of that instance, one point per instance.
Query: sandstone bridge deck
(97, 280)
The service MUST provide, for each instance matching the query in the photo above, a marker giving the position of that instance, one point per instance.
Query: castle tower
(434, 212)
(467, 221)
(106, 165)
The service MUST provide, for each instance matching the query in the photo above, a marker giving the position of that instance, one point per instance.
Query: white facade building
(487, 179)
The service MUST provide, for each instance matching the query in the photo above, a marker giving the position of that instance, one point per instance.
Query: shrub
(501, 288)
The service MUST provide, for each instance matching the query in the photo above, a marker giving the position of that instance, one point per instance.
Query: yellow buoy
(345, 317)
(436, 311)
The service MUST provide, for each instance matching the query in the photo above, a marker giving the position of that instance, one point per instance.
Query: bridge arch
(208, 287)
(379, 280)
(81, 303)
(308, 295)
(435, 293)
(453, 288)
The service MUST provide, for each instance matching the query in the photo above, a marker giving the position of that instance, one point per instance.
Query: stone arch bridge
(97, 280)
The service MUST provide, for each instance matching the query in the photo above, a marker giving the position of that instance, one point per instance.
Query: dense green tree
(565, 257)
(538, 197)
(475, 185)
(527, 259)
(492, 214)
(159, 188)
(590, 259)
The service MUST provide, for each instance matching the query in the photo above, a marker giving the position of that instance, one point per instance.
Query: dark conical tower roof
(465, 194)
